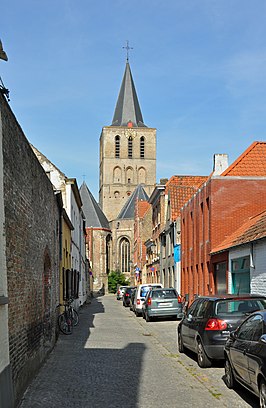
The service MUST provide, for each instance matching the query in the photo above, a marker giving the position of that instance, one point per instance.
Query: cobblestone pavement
(114, 359)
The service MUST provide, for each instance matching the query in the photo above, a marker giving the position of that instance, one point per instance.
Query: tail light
(127, 294)
(216, 324)
(138, 302)
(118, 292)
(149, 301)
(179, 299)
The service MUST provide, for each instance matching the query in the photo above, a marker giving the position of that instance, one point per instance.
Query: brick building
(178, 190)
(245, 250)
(219, 207)
(142, 229)
(31, 229)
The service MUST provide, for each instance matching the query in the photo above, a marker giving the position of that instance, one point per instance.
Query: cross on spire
(128, 48)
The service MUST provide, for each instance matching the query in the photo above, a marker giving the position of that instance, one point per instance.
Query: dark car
(127, 295)
(245, 356)
(208, 322)
(131, 300)
(162, 302)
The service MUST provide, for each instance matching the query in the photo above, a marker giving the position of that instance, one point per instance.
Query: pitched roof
(95, 218)
(252, 162)
(254, 228)
(180, 189)
(127, 106)
(128, 210)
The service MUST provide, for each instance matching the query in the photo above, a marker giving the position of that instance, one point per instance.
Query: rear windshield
(164, 294)
(239, 306)
(145, 289)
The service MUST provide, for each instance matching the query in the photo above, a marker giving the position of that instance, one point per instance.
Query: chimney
(220, 164)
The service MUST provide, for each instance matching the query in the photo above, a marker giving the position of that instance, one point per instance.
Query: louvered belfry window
(130, 147)
(142, 147)
(117, 146)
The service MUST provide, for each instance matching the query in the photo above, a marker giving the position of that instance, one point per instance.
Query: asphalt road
(114, 359)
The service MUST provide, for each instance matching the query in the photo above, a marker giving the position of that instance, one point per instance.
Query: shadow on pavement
(83, 376)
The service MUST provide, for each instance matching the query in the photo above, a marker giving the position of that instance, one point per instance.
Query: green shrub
(115, 279)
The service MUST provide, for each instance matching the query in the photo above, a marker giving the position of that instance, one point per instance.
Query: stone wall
(32, 253)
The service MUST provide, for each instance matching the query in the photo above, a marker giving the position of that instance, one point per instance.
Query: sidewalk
(65, 378)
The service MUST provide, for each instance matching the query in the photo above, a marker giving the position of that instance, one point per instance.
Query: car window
(201, 308)
(192, 309)
(251, 329)
(239, 307)
(144, 290)
(164, 294)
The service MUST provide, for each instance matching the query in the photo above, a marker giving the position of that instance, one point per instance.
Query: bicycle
(73, 313)
(65, 321)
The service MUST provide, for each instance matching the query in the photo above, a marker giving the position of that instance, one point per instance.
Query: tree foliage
(115, 279)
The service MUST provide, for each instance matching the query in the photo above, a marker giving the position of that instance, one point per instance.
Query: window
(117, 146)
(142, 147)
(251, 329)
(124, 255)
(129, 147)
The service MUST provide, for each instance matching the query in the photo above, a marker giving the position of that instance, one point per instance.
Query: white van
(141, 292)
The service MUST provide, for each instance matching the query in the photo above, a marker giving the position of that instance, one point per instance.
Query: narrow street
(114, 359)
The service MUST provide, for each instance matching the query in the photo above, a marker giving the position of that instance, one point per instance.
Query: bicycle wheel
(65, 323)
(74, 316)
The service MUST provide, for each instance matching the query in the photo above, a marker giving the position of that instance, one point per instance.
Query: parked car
(131, 300)
(208, 322)
(162, 302)
(127, 295)
(120, 291)
(141, 293)
(245, 356)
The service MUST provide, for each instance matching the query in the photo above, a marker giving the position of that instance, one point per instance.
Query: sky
(199, 67)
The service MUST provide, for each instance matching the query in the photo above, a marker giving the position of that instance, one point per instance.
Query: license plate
(164, 304)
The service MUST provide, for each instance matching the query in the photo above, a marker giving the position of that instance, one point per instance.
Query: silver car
(162, 302)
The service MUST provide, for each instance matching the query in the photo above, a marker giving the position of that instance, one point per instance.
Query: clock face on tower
(130, 133)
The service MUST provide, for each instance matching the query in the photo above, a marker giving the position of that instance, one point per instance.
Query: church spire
(127, 111)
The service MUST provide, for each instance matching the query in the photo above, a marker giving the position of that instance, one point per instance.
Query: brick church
(127, 172)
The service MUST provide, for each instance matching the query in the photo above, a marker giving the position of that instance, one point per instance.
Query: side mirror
(263, 338)
(233, 335)
(189, 317)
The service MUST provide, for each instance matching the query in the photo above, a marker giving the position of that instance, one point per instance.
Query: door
(188, 324)
(240, 348)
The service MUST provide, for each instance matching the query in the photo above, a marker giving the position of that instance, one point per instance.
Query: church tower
(127, 152)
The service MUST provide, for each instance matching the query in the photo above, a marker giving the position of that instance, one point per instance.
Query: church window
(117, 146)
(124, 255)
(129, 147)
(117, 174)
(128, 181)
(142, 147)
(141, 175)
(116, 194)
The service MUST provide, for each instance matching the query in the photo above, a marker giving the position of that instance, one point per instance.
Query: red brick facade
(216, 211)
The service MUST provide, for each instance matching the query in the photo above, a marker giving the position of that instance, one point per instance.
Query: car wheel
(203, 360)
(262, 394)
(180, 343)
(229, 375)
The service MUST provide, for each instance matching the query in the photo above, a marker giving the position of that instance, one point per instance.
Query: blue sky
(199, 67)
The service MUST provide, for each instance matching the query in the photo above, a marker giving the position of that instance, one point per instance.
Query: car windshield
(164, 294)
(239, 306)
